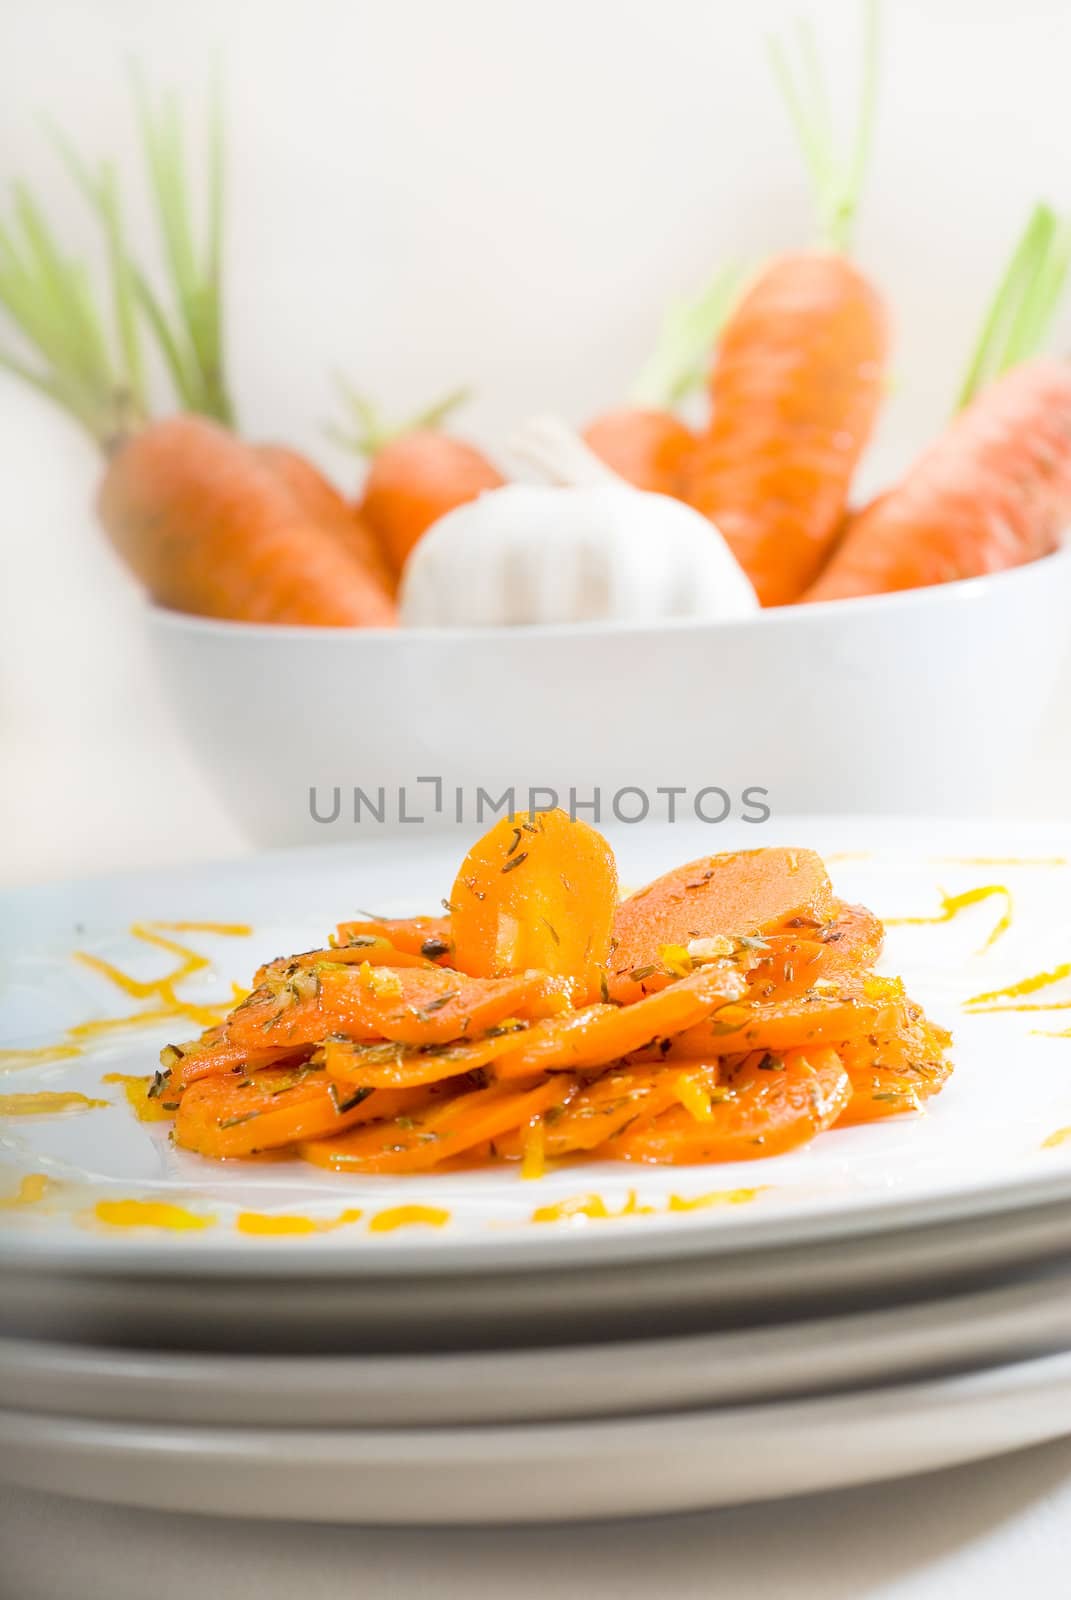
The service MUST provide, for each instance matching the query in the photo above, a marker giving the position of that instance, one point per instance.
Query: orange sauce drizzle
(34, 1188)
(592, 1207)
(149, 1214)
(1061, 1136)
(46, 1102)
(408, 1217)
(953, 904)
(264, 1224)
(1025, 986)
(167, 1002)
(137, 1096)
(534, 1153)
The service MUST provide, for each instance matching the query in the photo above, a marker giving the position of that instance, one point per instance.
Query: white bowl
(922, 702)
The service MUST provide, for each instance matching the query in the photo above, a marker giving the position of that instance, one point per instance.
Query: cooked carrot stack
(727, 1011)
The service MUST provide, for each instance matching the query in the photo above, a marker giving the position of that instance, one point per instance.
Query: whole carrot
(647, 448)
(416, 479)
(416, 473)
(928, 529)
(795, 390)
(323, 503)
(645, 442)
(797, 377)
(210, 529)
(993, 492)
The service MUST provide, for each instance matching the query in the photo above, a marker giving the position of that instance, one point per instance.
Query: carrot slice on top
(391, 1065)
(767, 1106)
(602, 1033)
(787, 964)
(239, 1116)
(537, 892)
(378, 952)
(214, 1053)
(416, 1005)
(853, 939)
(430, 937)
(446, 1129)
(745, 893)
(843, 1012)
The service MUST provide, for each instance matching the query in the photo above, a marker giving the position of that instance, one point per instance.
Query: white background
(483, 191)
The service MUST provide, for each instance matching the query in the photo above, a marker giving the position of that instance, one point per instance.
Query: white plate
(676, 1462)
(979, 1150)
(1001, 1324)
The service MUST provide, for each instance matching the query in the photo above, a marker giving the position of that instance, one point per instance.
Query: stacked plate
(598, 1342)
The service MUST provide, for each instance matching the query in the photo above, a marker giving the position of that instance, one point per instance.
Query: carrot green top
(1027, 298)
(89, 359)
(836, 177)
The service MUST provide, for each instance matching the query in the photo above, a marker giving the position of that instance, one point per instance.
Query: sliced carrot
(788, 964)
(603, 1033)
(239, 1116)
(895, 1073)
(602, 1110)
(416, 1005)
(844, 1012)
(215, 1053)
(853, 939)
(537, 892)
(430, 937)
(445, 1130)
(378, 952)
(745, 893)
(391, 1065)
(764, 1109)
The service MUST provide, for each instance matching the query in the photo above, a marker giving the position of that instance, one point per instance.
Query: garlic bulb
(587, 547)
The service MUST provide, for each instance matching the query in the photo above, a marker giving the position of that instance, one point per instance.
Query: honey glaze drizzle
(267, 1224)
(33, 1188)
(953, 904)
(167, 1004)
(136, 1089)
(1016, 991)
(593, 1208)
(149, 1214)
(47, 1102)
(395, 1217)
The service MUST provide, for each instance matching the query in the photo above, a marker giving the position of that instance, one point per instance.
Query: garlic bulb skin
(590, 551)
(533, 554)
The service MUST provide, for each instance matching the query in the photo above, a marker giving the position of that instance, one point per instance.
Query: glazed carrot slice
(416, 1005)
(391, 1065)
(214, 1053)
(817, 1018)
(378, 952)
(537, 892)
(239, 1116)
(853, 939)
(765, 1108)
(745, 893)
(603, 1109)
(446, 1130)
(895, 1073)
(786, 965)
(602, 1033)
(430, 937)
